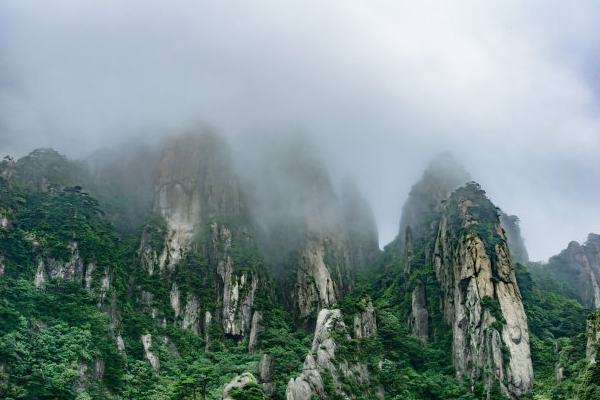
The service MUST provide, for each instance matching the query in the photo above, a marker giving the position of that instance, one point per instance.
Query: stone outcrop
(481, 300)
(148, 354)
(265, 374)
(592, 334)
(49, 268)
(425, 200)
(319, 278)
(313, 249)
(418, 321)
(87, 375)
(579, 268)
(194, 185)
(237, 383)
(200, 215)
(322, 363)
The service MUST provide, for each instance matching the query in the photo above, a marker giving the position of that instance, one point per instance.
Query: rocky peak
(481, 300)
(592, 334)
(194, 184)
(201, 222)
(44, 168)
(324, 370)
(303, 228)
(579, 267)
(425, 200)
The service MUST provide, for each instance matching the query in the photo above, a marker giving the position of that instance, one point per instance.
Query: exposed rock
(365, 324)
(409, 252)
(238, 382)
(191, 314)
(592, 333)
(40, 275)
(87, 378)
(207, 321)
(419, 317)
(194, 184)
(579, 268)
(200, 213)
(265, 374)
(481, 299)
(238, 291)
(425, 200)
(5, 222)
(265, 368)
(315, 287)
(2, 267)
(322, 360)
(304, 234)
(174, 299)
(120, 343)
(558, 373)
(516, 244)
(255, 328)
(49, 268)
(148, 354)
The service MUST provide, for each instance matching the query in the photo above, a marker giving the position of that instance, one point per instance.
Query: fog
(511, 89)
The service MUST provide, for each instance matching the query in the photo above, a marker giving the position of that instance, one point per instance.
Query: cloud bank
(510, 88)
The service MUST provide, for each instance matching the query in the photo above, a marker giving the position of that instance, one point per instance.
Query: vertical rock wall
(482, 302)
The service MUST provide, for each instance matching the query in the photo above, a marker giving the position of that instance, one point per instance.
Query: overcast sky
(511, 88)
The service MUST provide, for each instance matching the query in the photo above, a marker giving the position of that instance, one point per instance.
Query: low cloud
(510, 89)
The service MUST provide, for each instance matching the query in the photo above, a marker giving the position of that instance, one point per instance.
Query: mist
(510, 89)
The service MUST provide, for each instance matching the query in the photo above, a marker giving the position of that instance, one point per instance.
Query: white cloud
(383, 85)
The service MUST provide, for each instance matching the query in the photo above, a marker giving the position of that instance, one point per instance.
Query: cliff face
(425, 200)
(325, 374)
(481, 299)
(579, 268)
(200, 226)
(314, 251)
(592, 334)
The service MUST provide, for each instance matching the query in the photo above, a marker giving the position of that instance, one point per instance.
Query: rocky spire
(481, 300)
(425, 201)
(579, 268)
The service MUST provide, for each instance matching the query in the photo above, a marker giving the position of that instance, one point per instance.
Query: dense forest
(178, 288)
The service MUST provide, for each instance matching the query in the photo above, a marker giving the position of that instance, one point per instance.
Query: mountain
(481, 298)
(578, 268)
(196, 270)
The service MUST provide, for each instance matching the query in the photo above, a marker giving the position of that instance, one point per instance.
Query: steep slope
(57, 266)
(327, 373)
(482, 301)
(425, 200)
(578, 267)
(456, 235)
(199, 243)
(303, 231)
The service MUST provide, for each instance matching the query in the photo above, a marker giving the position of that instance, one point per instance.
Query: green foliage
(250, 391)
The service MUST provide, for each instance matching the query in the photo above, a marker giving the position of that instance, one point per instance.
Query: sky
(511, 88)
